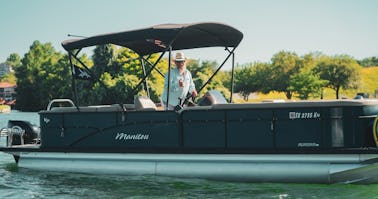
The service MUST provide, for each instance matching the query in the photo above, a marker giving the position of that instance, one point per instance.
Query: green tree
(9, 77)
(242, 75)
(253, 78)
(339, 72)
(201, 73)
(284, 65)
(58, 78)
(103, 56)
(13, 61)
(130, 67)
(263, 78)
(243, 84)
(128, 62)
(369, 62)
(114, 90)
(34, 77)
(306, 84)
(119, 71)
(103, 72)
(156, 80)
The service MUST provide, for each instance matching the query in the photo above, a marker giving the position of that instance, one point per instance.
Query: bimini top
(157, 38)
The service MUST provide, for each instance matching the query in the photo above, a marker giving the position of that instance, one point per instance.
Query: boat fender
(375, 131)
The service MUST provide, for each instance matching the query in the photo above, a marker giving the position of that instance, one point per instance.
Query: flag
(80, 73)
(157, 42)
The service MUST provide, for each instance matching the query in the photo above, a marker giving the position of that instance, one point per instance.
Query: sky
(332, 27)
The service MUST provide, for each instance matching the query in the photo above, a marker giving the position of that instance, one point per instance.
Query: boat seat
(212, 97)
(144, 103)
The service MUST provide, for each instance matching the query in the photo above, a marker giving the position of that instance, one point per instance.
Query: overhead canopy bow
(180, 36)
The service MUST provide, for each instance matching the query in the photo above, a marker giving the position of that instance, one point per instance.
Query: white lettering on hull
(308, 144)
(125, 136)
(306, 115)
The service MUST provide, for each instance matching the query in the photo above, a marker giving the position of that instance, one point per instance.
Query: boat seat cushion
(144, 103)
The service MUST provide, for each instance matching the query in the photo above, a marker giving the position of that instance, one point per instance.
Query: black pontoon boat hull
(304, 142)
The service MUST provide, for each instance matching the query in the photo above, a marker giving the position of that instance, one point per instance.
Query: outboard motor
(212, 97)
(22, 132)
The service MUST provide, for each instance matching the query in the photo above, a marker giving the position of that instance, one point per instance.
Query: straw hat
(180, 56)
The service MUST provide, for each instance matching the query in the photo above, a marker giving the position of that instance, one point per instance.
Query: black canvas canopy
(156, 38)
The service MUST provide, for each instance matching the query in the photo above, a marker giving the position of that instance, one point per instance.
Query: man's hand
(194, 93)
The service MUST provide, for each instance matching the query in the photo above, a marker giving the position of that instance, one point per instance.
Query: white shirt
(176, 91)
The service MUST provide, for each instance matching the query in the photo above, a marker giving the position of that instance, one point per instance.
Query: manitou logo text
(125, 136)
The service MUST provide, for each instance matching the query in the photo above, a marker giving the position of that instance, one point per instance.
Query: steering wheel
(186, 101)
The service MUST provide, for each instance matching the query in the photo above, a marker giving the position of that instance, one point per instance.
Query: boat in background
(306, 142)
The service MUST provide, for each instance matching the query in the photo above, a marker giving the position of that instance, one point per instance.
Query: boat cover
(157, 38)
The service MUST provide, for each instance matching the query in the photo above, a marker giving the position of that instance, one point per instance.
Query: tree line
(301, 77)
(44, 74)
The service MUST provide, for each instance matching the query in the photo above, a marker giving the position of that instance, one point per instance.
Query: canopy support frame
(217, 70)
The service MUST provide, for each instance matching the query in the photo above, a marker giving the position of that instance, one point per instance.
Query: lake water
(23, 183)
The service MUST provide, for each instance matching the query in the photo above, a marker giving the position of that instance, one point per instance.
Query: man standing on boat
(180, 84)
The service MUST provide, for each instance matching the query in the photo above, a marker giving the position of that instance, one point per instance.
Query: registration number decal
(304, 115)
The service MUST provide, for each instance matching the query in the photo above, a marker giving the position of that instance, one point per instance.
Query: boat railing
(141, 103)
(60, 102)
(188, 108)
(98, 108)
(296, 104)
